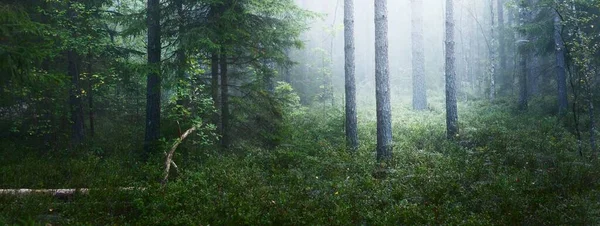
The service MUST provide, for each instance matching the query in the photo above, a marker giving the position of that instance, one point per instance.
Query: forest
(299, 112)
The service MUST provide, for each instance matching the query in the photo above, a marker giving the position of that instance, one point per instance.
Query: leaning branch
(169, 158)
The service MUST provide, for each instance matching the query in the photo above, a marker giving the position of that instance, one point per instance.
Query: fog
(322, 58)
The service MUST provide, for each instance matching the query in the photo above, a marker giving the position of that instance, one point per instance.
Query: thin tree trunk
(523, 95)
(561, 78)
(153, 87)
(351, 115)
(501, 38)
(451, 102)
(492, 54)
(225, 142)
(418, 57)
(90, 94)
(214, 67)
(384, 110)
(180, 55)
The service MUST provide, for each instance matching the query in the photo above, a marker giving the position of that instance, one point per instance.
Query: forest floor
(506, 168)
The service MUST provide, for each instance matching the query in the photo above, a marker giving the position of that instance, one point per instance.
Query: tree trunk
(451, 102)
(351, 115)
(492, 54)
(75, 102)
(523, 94)
(75, 92)
(384, 110)
(561, 78)
(180, 55)
(418, 57)
(501, 39)
(214, 67)
(224, 101)
(153, 88)
(90, 94)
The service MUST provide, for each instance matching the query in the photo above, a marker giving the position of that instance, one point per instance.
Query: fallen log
(58, 193)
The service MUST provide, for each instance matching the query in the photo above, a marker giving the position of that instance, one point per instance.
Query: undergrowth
(506, 168)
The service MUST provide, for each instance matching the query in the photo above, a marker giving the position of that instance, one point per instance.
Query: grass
(506, 168)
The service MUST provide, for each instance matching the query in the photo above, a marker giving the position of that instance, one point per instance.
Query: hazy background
(324, 50)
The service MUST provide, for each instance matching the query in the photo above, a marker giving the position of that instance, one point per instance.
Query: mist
(323, 52)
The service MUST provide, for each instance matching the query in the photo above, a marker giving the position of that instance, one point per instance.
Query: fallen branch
(58, 193)
(169, 158)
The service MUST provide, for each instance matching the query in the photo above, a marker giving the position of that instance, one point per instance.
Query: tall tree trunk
(524, 57)
(180, 55)
(75, 102)
(351, 115)
(75, 92)
(451, 102)
(418, 57)
(153, 87)
(90, 94)
(492, 53)
(501, 38)
(561, 77)
(214, 86)
(225, 142)
(384, 109)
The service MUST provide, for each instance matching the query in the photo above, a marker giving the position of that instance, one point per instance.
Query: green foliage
(506, 169)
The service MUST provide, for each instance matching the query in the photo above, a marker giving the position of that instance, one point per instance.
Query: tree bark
(418, 57)
(75, 92)
(451, 102)
(180, 55)
(351, 115)
(382, 89)
(561, 77)
(90, 94)
(524, 57)
(225, 142)
(153, 88)
(501, 39)
(214, 67)
(492, 54)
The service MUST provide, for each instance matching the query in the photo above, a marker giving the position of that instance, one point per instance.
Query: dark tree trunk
(418, 57)
(501, 39)
(75, 92)
(214, 67)
(181, 56)
(382, 89)
(153, 88)
(75, 102)
(350, 68)
(524, 57)
(451, 102)
(225, 142)
(90, 94)
(561, 77)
